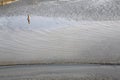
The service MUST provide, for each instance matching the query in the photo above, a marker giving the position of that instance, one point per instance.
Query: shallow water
(60, 72)
(55, 39)
(58, 40)
(36, 23)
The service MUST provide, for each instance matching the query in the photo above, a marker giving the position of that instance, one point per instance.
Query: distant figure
(28, 18)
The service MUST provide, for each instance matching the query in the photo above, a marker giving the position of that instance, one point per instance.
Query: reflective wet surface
(58, 40)
(36, 23)
(60, 31)
(60, 72)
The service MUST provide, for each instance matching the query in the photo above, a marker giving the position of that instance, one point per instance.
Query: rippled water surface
(36, 22)
(60, 72)
(58, 40)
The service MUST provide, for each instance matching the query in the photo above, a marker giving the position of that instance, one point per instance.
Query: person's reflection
(28, 18)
